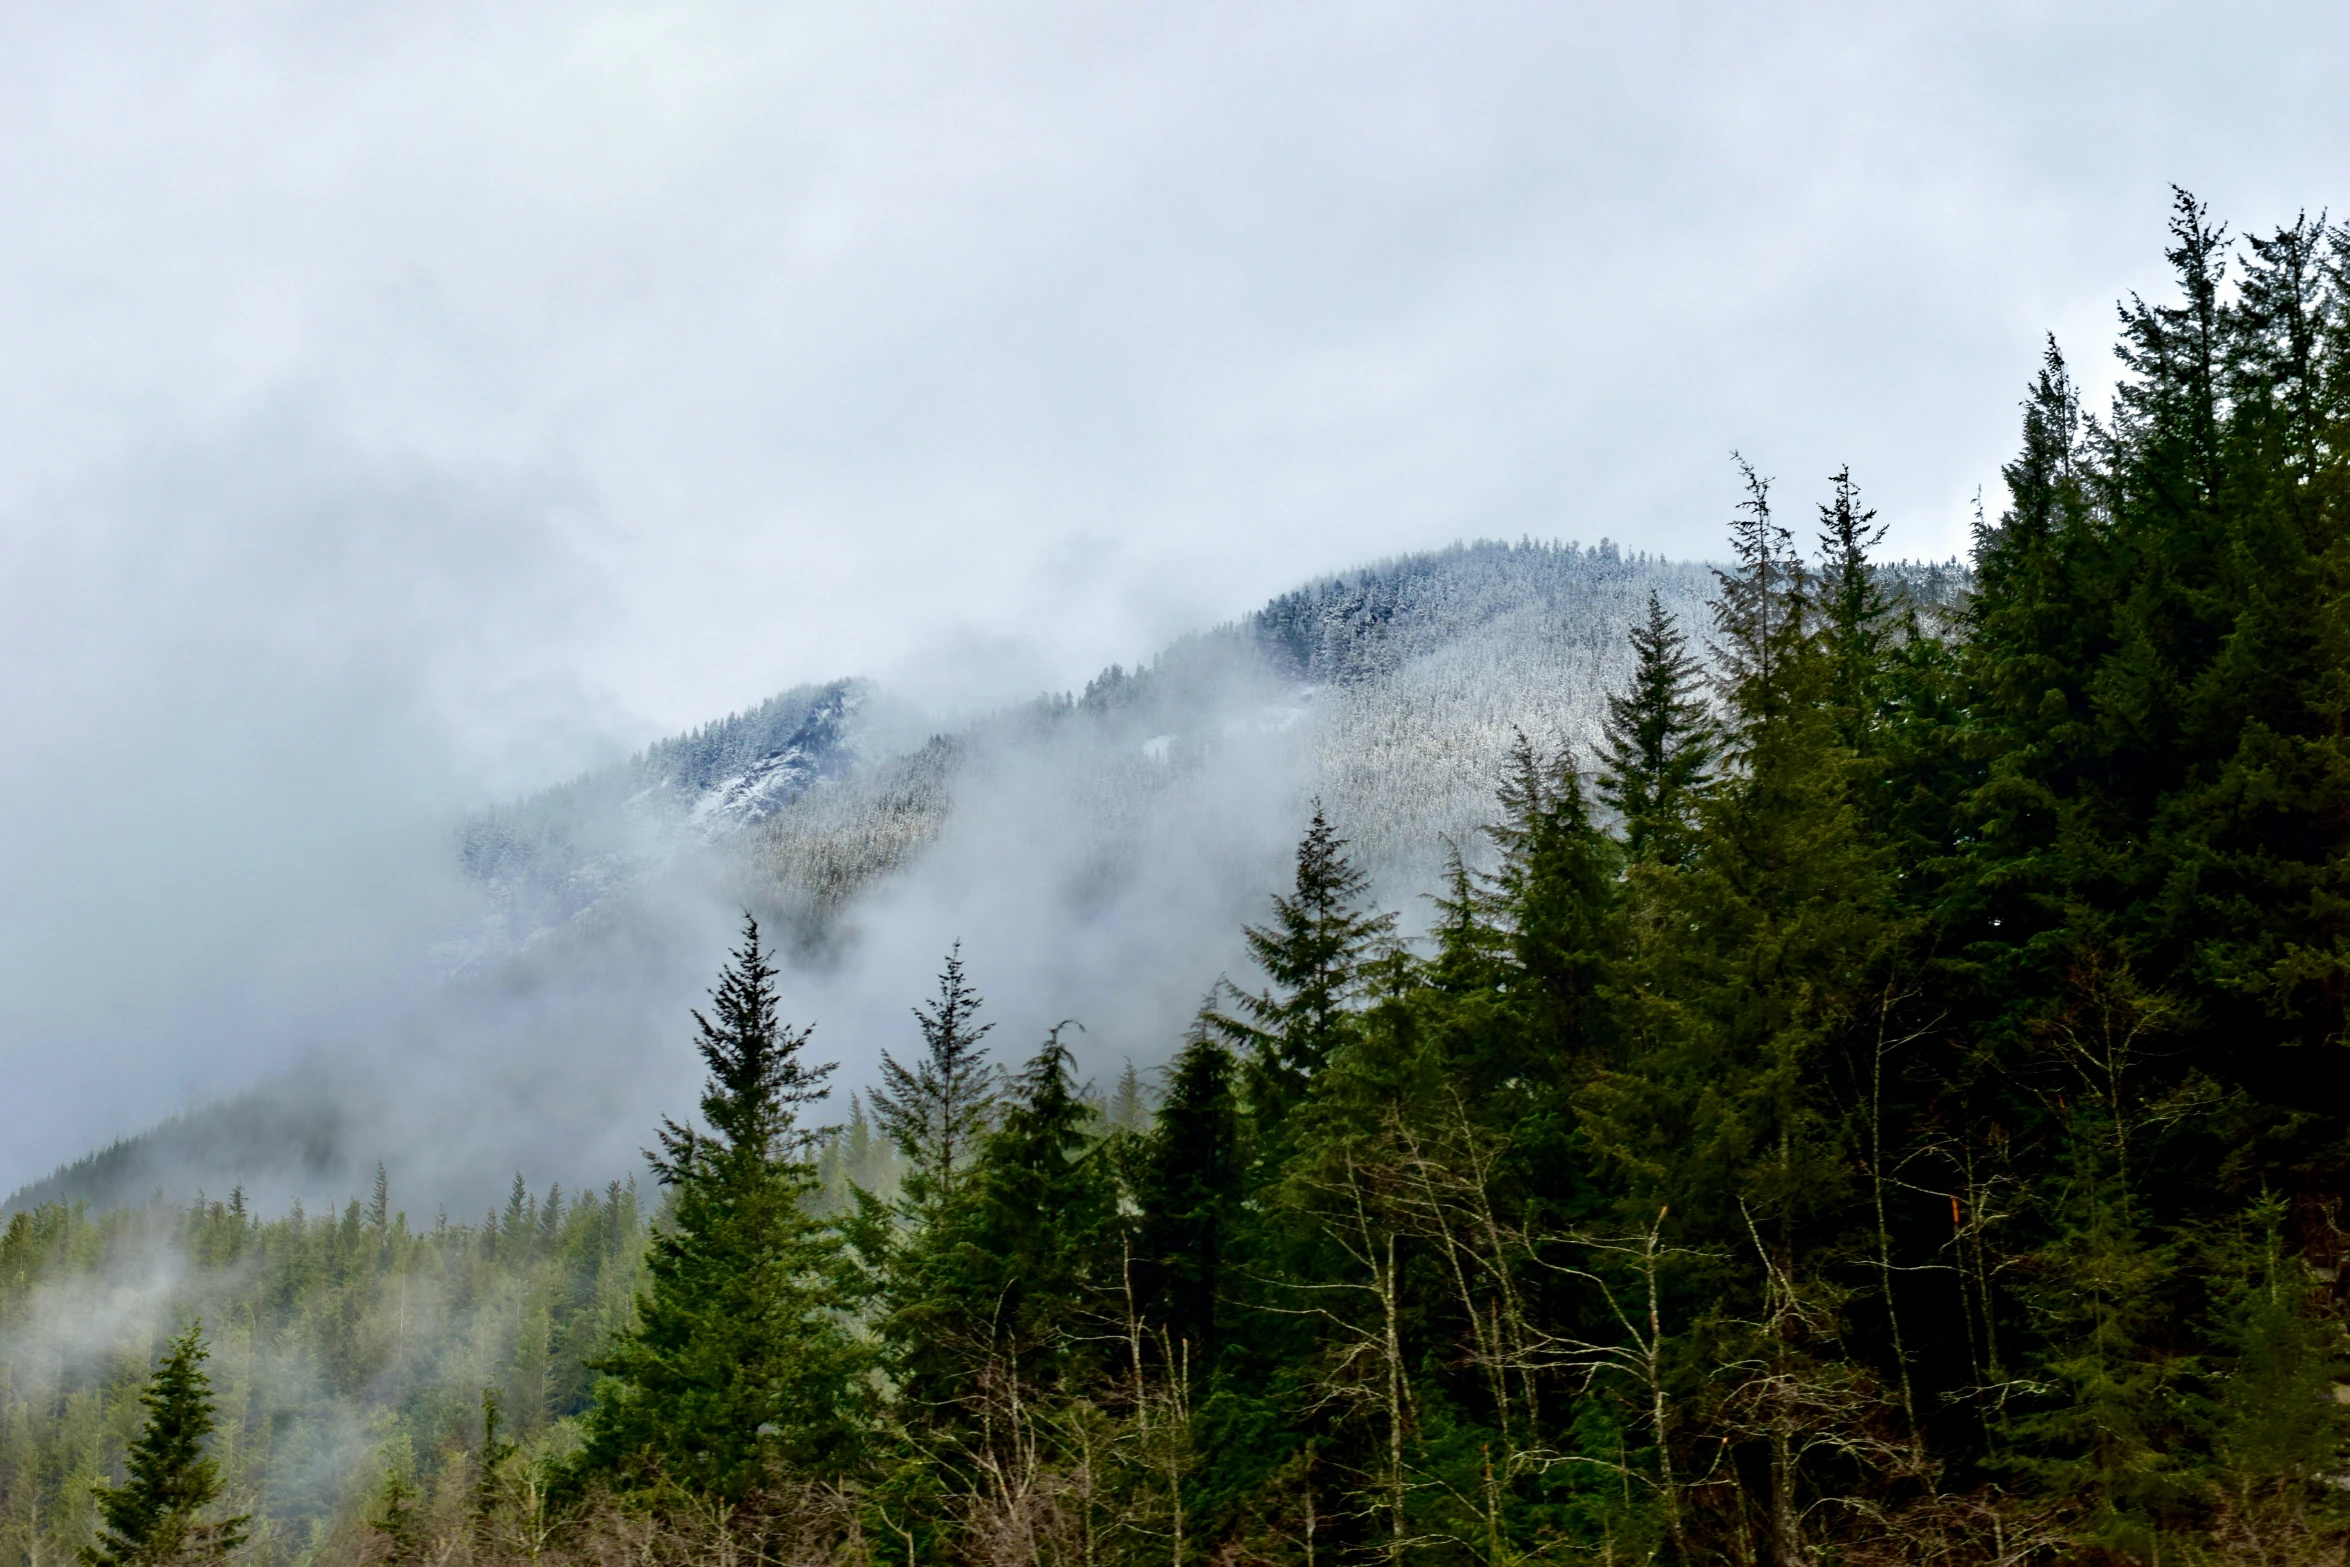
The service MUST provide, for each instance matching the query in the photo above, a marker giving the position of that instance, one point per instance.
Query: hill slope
(1096, 853)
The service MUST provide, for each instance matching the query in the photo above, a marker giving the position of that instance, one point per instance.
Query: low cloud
(406, 409)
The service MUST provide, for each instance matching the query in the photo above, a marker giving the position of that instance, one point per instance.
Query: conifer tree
(394, 1518)
(990, 1312)
(1129, 1106)
(2169, 409)
(1854, 614)
(1472, 948)
(1763, 960)
(1760, 610)
(1041, 1209)
(2280, 1428)
(489, 1469)
(518, 1226)
(550, 1223)
(740, 1357)
(2039, 623)
(1314, 953)
(1555, 892)
(936, 1111)
(1658, 742)
(2031, 630)
(857, 1163)
(155, 1517)
(1188, 1188)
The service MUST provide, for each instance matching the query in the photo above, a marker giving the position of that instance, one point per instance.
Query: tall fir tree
(155, 1518)
(1855, 617)
(741, 1358)
(1041, 1210)
(1555, 893)
(1188, 1190)
(1129, 1106)
(991, 1315)
(1761, 609)
(1753, 985)
(1313, 952)
(2279, 1429)
(1658, 744)
(936, 1111)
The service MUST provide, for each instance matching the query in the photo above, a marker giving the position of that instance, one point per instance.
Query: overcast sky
(404, 405)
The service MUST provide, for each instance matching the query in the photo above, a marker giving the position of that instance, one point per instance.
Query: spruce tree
(936, 1111)
(1753, 986)
(1188, 1188)
(394, 1518)
(1854, 614)
(1658, 743)
(1760, 611)
(1314, 952)
(1129, 1106)
(2280, 1430)
(489, 1470)
(155, 1517)
(740, 1358)
(2039, 623)
(1041, 1209)
(2170, 408)
(1472, 956)
(518, 1227)
(991, 1314)
(1554, 892)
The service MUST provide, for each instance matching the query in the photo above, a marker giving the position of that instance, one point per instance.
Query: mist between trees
(1886, 1105)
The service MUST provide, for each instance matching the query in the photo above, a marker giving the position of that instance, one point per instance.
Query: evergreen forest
(1887, 1102)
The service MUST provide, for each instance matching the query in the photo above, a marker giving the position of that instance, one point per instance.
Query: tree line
(1887, 1105)
(341, 1353)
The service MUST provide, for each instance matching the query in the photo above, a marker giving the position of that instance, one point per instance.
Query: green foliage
(318, 1330)
(396, 1518)
(1313, 953)
(1659, 742)
(1855, 616)
(1554, 905)
(1913, 1134)
(155, 1518)
(935, 1112)
(1187, 1188)
(2278, 1428)
(739, 1359)
(991, 1313)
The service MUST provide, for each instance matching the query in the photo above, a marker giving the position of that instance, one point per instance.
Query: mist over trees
(1886, 1103)
(1101, 849)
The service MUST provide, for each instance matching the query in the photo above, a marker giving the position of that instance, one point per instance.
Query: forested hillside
(545, 859)
(349, 1351)
(1099, 848)
(1886, 1102)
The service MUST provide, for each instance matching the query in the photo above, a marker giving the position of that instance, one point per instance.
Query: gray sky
(405, 405)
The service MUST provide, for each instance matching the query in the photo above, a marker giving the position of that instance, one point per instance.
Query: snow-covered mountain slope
(545, 860)
(1096, 853)
(1395, 691)
(1391, 694)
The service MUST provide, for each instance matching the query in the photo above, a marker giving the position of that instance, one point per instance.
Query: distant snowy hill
(1096, 853)
(1391, 693)
(546, 859)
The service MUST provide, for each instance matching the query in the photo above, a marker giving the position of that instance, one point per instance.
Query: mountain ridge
(1152, 809)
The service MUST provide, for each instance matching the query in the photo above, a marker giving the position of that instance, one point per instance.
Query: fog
(405, 410)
